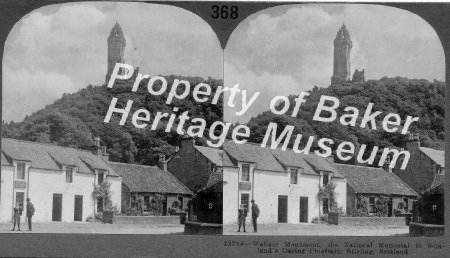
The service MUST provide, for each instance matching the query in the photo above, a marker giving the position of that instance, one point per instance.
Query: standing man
(255, 215)
(17, 215)
(242, 215)
(30, 212)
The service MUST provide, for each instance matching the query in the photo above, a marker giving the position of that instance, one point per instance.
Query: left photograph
(103, 122)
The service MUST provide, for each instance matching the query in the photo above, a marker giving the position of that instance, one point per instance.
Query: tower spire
(341, 65)
(116, 47)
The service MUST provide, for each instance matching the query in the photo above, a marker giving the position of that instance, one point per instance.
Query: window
(406, 203)
(100, 177)
(325, 205)
(371, 204)
(69, 175)
(180, 200)
(20, 170)
(146, 203)
(244, 200)
(325, 179)
(294, 176)
(245, 172)
(20, 198)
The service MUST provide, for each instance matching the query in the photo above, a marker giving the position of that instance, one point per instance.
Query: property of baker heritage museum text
(159, 149)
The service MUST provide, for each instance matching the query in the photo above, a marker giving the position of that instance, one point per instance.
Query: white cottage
(58, 180)
(284, 184)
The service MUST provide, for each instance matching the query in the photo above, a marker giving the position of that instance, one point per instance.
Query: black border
(64, 245)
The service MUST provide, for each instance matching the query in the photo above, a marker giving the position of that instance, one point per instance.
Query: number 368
(224, 12)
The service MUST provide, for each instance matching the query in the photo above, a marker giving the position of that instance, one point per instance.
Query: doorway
(282, 208)
(78, 210)
(303, 209)
(57, 207)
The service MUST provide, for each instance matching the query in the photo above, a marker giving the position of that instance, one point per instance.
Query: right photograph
(345, 127)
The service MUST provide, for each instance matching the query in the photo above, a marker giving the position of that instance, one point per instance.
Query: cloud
(32, 90)
(66, 43)
(294, 43)
(266, 84)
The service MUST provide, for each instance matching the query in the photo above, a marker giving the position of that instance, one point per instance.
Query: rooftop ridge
(350, 165)
(132, 164)
(46, 144)
(432, 149)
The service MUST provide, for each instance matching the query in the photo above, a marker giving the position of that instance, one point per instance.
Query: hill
(406, 97)
(75, 119)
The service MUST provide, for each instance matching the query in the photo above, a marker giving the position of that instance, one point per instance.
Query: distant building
(116, 49)
(284, 184)
(200, 169)
(139, 181)
(369, 184)
(341, 59)
(425, 167)
(58, 180)
(425, 173)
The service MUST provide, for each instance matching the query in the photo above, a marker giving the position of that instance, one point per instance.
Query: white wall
(341, 192)
(267, 186)
(44, 183)
(230, 195)
(116, 190)
(7, 195)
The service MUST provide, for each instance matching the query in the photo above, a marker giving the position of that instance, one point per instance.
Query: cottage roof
(277, 159)
(212, 154)
(370, 180)
(436, 155)
(5, 162)
(47, 156)
(439, 179)
(151, 179)
(217, 156)
(214, 178)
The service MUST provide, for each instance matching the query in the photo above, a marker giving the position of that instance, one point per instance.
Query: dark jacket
(255, 211)
(242, 213)
(30, 209)
(17, 211)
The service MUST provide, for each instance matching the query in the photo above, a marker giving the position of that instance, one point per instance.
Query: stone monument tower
(341, 65)
(116, 47)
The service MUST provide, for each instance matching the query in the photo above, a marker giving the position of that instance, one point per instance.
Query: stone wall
(334, 219)
(428, 230)
(420, 171)
(198, 228)
(190, 166)
(148, 219)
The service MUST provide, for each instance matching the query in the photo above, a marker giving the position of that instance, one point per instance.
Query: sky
(289, 49)
(278, 51)
(62, 48)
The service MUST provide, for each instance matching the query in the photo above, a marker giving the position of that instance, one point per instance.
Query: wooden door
(57, 207)
(303, 209)
(282, 208)
(78, 210)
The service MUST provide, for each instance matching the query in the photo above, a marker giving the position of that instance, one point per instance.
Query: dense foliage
(75, 119)
(406, 97)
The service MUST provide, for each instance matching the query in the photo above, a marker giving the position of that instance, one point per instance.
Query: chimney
(99, 150)
(162, 163)
(104, 154)
(412, 142)
(97, 141)
(387, 163)
(187, 142)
